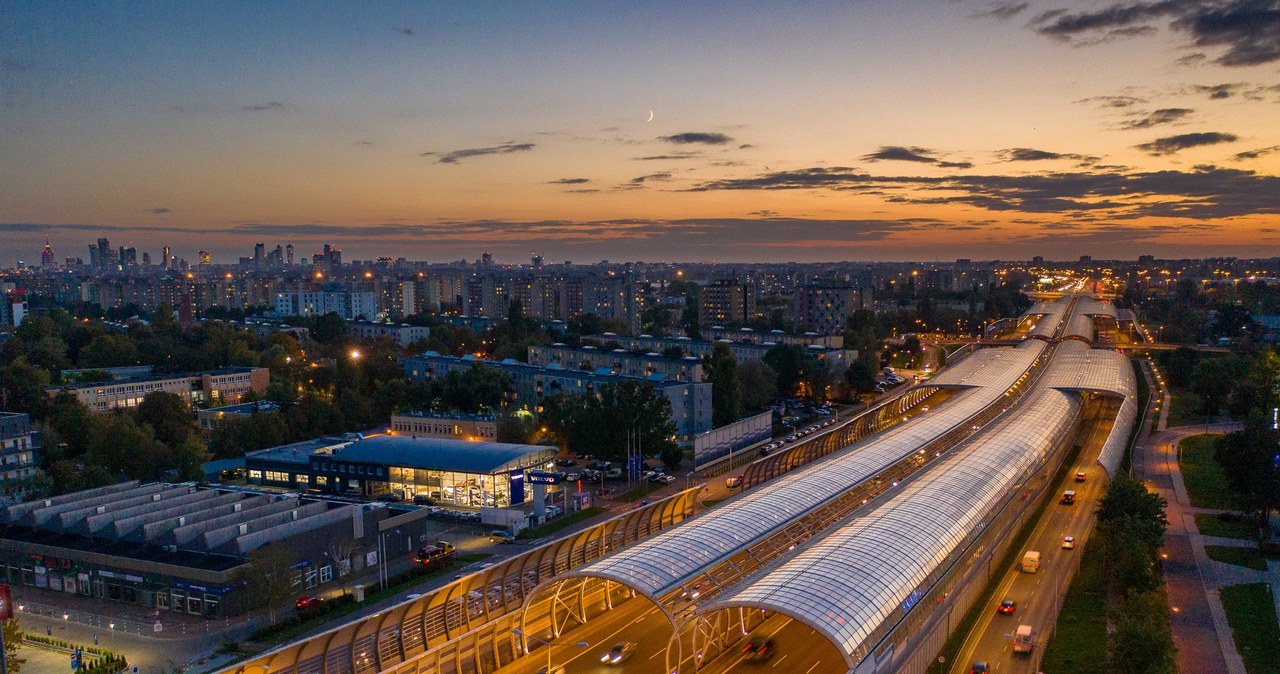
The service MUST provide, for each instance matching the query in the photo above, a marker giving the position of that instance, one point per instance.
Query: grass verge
(1252, 616)
(1227, 526)
(558, 524)
(1249, 558)
(293, 626)
(1206, 485)
(1082, 624)
(1184, 408)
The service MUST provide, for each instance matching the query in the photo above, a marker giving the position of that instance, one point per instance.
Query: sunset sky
(852, 130)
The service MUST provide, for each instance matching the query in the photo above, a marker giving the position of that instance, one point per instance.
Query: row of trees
(1131, 525)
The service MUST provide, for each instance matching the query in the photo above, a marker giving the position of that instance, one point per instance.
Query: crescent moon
(650, 116)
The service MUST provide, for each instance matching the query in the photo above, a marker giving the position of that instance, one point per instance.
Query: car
(691, 592)
(390, 497)
(613, 474)
(733, 482)
(556, 669)
(573, 477)
(307, 601)
(501, 536)
(791, 438)
(566, 462)
(1080, 476)
(620, 651)
(663, 479)
(758, 650)
(1068, 542)
(1007, 607)
(553, 511)
(411, 597)
(979, 667)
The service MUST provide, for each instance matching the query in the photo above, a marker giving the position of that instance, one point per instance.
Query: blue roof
(437, 454)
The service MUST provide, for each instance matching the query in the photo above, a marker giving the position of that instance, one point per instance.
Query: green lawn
(639, 492)
(1082, 624)
(1246, 557)
(1214, 525)
(1253, 625)
(1206, 485)
(558, 524)
(1184, 408)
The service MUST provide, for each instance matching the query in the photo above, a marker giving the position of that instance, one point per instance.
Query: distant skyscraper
(259, 252)
(486, 259)
(167, 258)
(288, 254)
(46, 255)
(146, 259)
(537, 261)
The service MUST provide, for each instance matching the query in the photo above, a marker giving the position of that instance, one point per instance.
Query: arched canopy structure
(855, 584)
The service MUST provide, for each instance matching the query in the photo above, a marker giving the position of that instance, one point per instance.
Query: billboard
(718, 443)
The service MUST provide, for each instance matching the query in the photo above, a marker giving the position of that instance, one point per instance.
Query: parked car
(566, 462)
(733, 482)
(664, 479)
(307, 601)
(501, 536)
(613, 474)
(553, 511)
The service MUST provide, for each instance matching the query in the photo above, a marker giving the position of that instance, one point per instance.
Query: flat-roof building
(208, 418)
(228, 384)
(449, 472)
(19, 454)
(446, 426)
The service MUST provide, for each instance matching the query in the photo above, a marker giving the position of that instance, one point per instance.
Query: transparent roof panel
(657, 564)
(850, 582)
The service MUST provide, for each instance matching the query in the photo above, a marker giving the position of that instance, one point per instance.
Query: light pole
(548, 644)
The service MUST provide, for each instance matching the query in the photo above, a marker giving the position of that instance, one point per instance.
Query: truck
(1023, 639)
(1030, 562)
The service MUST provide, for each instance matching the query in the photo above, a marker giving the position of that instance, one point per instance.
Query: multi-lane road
(1038, 595)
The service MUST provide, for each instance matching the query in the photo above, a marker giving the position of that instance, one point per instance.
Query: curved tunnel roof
(850, 582)
(1091, 307)
(657, 565)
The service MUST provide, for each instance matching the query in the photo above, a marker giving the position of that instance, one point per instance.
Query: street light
(549, 644)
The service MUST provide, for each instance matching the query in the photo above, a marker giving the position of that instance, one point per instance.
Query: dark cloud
(1192, 59)
(1217, 91)
(1172, 144)
(1156, 118)
(1254, 154)
(1030, 154)
(1113, 101)
(453, 156)
(407, 31)
(1002, 10)
(900, 153)
(1246, 31)
(158, 211)
(638, 180)
(269, 105)
(697, 137)
(746, 146)
(570, 181)
(1202, 194)
(24, 228)
(913, 154)
(670, 157)
(364, 142)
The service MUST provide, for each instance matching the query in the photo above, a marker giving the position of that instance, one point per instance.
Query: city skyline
(830, 131)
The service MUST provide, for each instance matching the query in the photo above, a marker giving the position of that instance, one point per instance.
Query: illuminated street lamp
(355, 354)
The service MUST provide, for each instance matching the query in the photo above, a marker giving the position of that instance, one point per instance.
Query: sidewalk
(1192, 580)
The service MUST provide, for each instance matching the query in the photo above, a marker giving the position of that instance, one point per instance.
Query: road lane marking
(815, 666)
(784, 657)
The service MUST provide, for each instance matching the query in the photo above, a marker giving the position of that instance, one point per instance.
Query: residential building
(19, 453)
(445, 426)
(226, 385)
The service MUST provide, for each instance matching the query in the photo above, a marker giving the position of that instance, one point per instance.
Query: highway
(1038, 595)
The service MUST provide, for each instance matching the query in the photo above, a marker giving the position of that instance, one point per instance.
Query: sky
(657, 131)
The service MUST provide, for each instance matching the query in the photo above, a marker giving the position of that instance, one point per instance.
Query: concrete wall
(184, 535)
(213, 540)
(17, 512)
(158, 527)
(43, 515)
